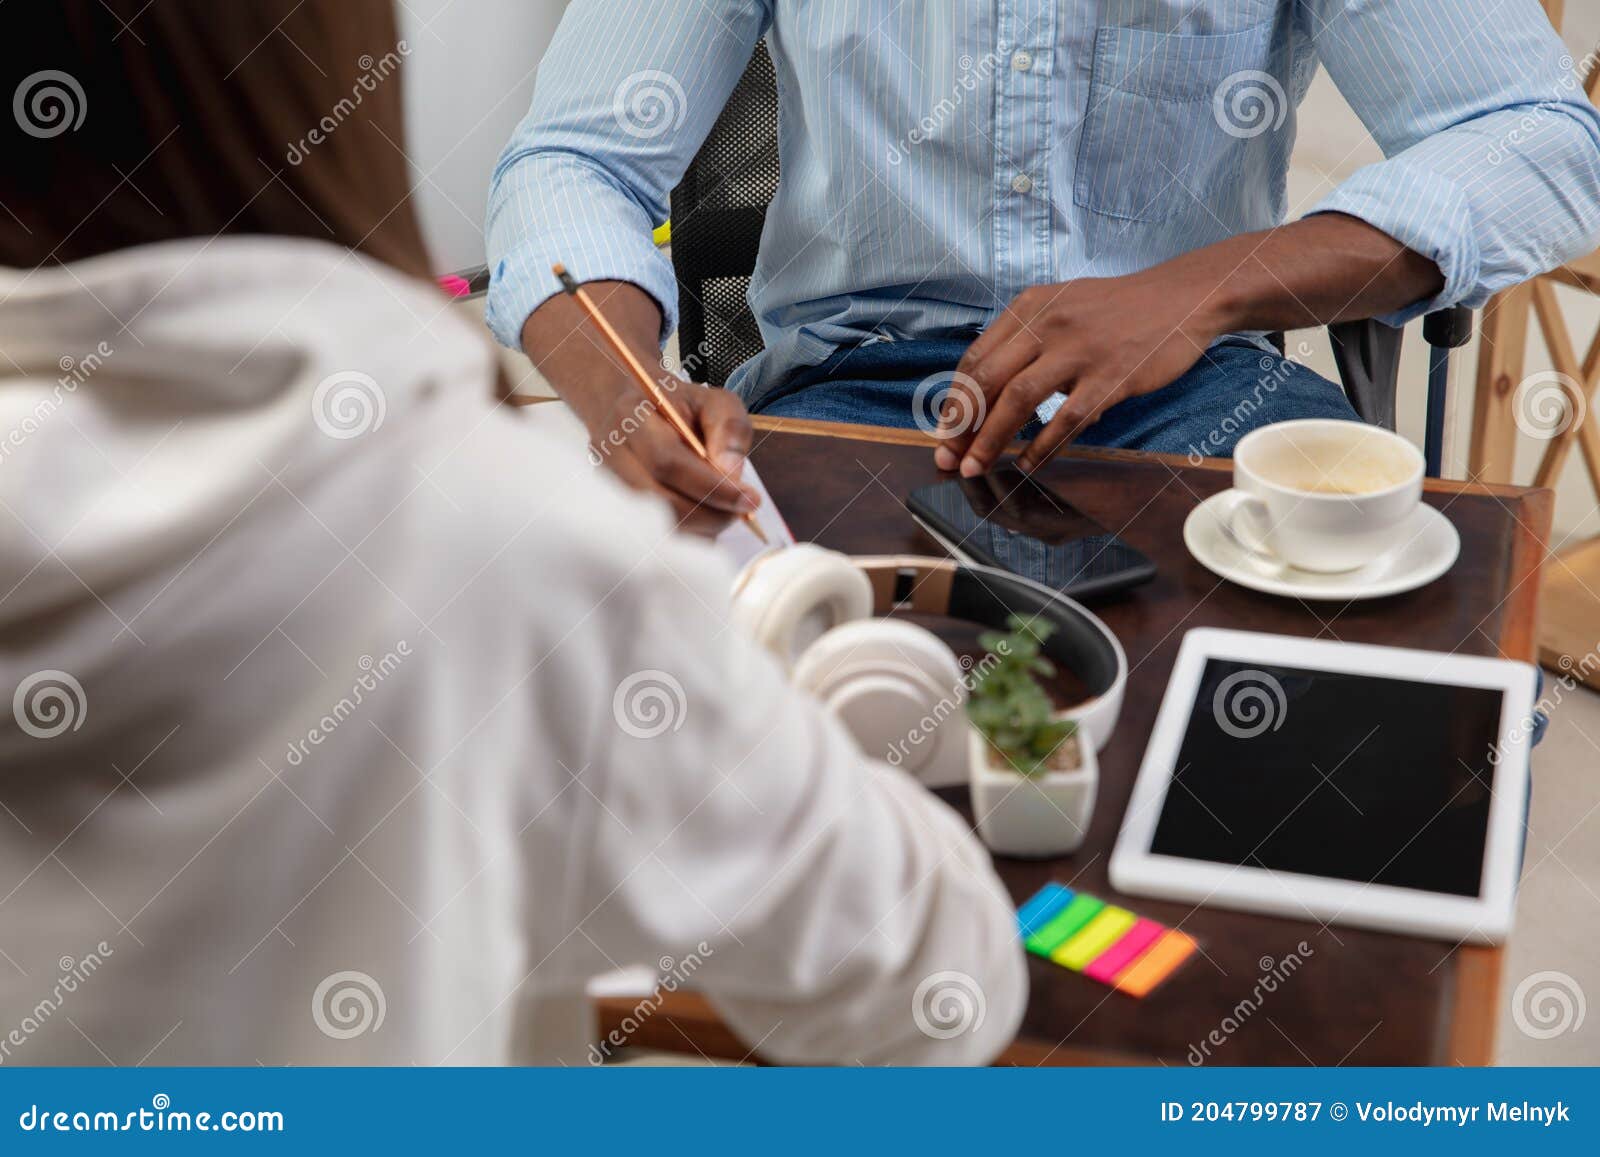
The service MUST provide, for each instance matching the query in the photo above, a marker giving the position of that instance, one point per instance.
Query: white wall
(469, 77)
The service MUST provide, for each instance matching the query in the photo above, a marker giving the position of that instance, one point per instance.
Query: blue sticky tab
(1042, 907)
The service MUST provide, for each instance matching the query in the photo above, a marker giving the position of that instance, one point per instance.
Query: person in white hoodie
(355, 718)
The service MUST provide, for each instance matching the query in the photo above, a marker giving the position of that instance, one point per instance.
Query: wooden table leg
(1476, 1016)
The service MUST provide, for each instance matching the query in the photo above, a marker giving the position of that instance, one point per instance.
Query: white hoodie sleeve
(833, 910)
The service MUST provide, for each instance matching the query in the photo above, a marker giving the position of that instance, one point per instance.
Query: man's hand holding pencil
(605, 380)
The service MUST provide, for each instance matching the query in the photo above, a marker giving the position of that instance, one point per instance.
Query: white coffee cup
(1322, 495)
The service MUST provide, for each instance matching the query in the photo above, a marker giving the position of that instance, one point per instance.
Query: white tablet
(1335, 782)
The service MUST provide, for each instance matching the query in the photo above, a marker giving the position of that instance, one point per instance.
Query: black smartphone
(1008, 520)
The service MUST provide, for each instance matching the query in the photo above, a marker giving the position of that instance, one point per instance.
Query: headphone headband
(776, 592)
(988, 596)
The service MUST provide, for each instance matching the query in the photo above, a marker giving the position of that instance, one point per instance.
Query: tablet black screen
(1355, 777)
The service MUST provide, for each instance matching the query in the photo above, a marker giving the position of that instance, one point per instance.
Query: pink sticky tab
(1113, 960)
(455, 286)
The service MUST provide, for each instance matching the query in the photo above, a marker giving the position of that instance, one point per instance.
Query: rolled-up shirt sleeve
(627, 92)
(1492, 149)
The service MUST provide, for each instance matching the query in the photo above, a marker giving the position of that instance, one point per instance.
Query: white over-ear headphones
(897, 687)
(891, 682)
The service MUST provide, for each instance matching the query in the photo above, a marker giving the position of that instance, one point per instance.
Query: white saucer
(1430, 549)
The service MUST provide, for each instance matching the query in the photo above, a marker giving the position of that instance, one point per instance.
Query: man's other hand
(1100, 341)
(1097, 341)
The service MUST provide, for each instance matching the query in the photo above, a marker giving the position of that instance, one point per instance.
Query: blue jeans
(1236, 387)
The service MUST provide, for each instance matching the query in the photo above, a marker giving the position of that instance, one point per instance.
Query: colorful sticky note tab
(1155, 965)
(1124, 952)
(1094, 938)
(1102, 941)
(1042, 907)
(1065, 924)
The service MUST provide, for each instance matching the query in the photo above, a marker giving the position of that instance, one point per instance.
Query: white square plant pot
(1037, 816)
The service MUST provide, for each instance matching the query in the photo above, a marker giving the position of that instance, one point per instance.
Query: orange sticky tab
(1156, 965)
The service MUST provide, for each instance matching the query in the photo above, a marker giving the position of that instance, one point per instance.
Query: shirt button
(1021, 183)
(1022, 61)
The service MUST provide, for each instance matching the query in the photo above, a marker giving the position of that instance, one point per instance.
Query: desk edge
(893, 436)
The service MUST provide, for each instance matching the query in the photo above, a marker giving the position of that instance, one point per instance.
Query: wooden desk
(1359, 997)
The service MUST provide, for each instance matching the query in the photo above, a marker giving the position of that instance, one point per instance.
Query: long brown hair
(136, 121)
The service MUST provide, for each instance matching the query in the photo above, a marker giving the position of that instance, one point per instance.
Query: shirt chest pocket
(1171, 117)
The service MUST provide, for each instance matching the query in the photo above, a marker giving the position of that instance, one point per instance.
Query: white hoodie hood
(141, 407)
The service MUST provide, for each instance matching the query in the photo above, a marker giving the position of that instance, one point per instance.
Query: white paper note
(739, 541)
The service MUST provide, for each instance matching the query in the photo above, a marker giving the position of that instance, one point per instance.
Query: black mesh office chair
(719, 207)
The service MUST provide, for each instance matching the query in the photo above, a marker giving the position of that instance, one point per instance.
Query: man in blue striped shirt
(1094, 190)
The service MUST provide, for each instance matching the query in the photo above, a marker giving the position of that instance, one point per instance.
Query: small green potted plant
(1033, 778)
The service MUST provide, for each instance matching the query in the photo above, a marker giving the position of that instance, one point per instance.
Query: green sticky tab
(1066, 923)
(1093, 939)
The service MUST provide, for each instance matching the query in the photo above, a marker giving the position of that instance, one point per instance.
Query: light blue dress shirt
(940, 156)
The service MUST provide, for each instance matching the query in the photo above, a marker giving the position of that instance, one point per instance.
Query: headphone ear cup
(899, 690)
(787, 599)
